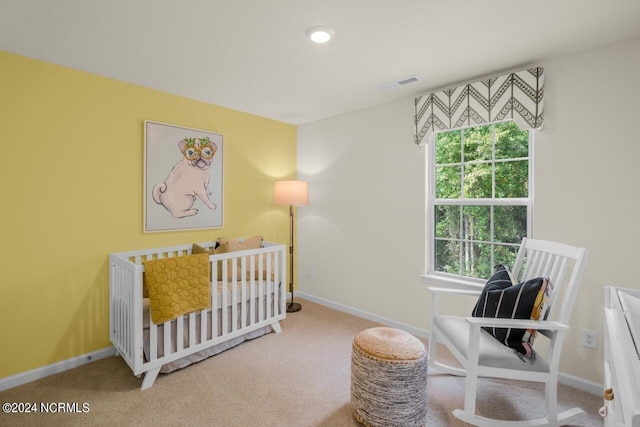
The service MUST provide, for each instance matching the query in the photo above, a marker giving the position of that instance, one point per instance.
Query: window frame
(431, 200)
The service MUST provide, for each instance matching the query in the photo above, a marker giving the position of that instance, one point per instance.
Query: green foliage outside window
(481, 197)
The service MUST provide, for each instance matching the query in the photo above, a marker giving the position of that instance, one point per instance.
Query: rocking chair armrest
(517, 323)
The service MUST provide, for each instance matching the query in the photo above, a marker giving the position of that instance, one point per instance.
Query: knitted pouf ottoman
(388, 378)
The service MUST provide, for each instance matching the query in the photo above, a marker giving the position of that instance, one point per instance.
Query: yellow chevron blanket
(177, 286)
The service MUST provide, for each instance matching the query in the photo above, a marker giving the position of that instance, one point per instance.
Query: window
(480, 204)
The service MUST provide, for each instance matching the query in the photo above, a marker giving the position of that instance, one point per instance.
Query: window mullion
(462, 165)
(493, 161)
(461, 214)
(482, 202)
(493, 195)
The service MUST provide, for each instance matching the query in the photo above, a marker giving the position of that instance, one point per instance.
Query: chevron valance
(516, 96)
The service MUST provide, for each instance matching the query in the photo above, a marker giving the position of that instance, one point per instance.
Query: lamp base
(293, 307)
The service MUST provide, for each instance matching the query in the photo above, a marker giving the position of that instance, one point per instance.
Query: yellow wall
(71, 173)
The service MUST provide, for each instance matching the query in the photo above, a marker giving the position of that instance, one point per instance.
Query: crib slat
(252, 305)
(245, 284)
(224, 298)
(203, 326)
(276, 284)
(268, 281)
(119, 294)
(261, 292)
(214, 310)
(115, 319)
(124, 317)
(127, 316)
(153, 340)
(242, 292)
(192, 328)
(166, 328)
(234, 295)
(179, 334)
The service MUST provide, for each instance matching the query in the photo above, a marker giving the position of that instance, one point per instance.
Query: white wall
(366, 189)
(361, 240)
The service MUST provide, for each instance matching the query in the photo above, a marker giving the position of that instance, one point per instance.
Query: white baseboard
(38, 373)
(566, 379)
(365, 315)
(580, 384)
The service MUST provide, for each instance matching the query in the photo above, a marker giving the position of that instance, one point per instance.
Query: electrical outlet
(589, 338)
(307, 273)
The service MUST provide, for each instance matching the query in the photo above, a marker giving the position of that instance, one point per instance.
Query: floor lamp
(291, 193)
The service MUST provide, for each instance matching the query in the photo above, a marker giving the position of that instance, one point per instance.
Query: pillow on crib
(502, 298)
(197, 249)
(234, 245)
(220, 249)
(254, 242)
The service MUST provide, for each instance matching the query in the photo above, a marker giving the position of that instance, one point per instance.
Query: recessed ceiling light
(320, 34)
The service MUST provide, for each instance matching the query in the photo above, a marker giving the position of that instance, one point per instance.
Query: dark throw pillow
(500, 298)
(500, 280)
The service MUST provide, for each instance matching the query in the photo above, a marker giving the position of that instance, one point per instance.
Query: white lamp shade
(290, 192)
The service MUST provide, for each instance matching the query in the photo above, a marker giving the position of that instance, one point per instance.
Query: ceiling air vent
(402, 82)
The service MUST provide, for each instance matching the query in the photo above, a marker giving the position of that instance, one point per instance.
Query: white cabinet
(621, 357)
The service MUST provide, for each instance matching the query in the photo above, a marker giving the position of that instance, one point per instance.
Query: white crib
(252, 303)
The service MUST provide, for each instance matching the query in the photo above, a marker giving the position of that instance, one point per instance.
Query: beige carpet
(300, 377)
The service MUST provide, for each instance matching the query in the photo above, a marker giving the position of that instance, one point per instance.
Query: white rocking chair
(481, 355)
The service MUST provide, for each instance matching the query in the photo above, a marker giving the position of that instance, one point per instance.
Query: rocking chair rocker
(481, 355)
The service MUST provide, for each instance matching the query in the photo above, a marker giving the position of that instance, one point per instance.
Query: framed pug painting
(182, 178)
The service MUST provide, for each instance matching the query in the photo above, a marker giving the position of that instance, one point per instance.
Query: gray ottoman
(388, 378)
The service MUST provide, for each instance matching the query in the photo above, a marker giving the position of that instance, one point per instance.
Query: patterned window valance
(516, 96)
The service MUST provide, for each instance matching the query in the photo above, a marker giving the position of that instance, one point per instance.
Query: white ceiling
(252, 55)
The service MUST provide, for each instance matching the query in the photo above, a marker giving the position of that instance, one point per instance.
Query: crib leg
(276, 327)
(149, 378)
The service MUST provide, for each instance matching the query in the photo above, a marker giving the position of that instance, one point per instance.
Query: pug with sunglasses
(188, 180)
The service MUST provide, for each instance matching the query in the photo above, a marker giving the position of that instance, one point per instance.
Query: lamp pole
(293, 306)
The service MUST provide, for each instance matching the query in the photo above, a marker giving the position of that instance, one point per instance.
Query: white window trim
(439, 279)
(431, 275)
